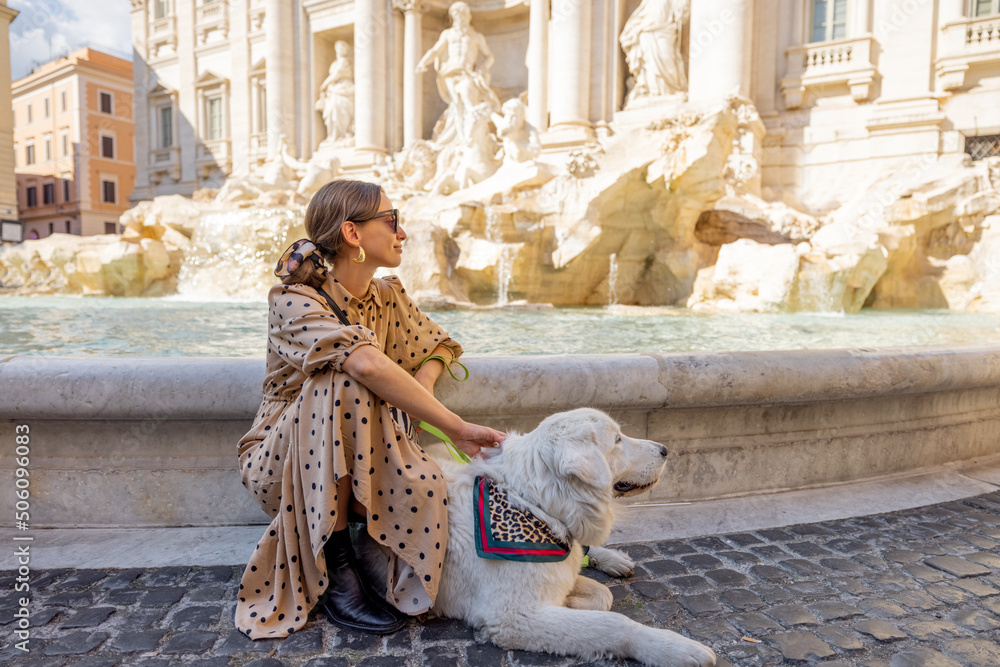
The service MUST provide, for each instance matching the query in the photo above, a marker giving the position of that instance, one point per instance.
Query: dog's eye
(618, 439)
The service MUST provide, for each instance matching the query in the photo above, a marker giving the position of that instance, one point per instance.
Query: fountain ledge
(131, 442)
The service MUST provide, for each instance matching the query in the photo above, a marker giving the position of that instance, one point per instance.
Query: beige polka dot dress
(316, 424)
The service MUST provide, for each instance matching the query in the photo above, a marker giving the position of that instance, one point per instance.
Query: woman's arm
(428, 374)
(388, 381)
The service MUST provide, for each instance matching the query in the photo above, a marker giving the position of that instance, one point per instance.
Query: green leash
(457, 454)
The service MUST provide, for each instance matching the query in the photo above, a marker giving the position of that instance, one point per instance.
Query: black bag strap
(341, 315)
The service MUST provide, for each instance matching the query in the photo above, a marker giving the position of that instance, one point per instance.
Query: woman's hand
(470, 438)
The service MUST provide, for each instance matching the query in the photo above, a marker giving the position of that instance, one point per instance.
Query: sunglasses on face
(394, 223)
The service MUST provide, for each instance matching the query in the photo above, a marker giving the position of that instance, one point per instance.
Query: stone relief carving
(283, 175)
(743, 167)
(583, 163)
(651, 40)
(409, 5)
(410, 171)
(469, 159)
(336, 96)
(518, 137)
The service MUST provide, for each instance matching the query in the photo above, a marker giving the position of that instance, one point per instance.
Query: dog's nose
(663, 451)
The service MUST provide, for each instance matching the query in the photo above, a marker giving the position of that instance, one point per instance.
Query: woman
(324, 441)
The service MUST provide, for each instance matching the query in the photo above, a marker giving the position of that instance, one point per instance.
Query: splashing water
(233, 253)
(505, 261)
(613, 279)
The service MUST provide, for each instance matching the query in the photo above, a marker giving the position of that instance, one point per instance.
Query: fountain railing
(152, 442)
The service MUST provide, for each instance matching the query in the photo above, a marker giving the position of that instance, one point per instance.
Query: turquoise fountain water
(119, 327)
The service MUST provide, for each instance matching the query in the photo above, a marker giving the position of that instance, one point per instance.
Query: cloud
(48, 29)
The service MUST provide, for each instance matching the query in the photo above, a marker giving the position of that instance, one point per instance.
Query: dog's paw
(695, 655)
(665, 648)
(611, 562)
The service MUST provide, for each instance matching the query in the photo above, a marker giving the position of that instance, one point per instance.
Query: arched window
(829, 20)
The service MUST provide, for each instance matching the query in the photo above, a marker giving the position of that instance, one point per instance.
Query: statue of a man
(651, 40)
(463, 82)
(336, 95)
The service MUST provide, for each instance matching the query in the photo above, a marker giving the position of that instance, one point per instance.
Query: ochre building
(74, 145)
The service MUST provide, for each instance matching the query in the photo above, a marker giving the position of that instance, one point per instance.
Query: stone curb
(905, 589)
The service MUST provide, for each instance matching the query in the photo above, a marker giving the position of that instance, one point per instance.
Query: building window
(829, 20)
(984, 146)
(66, 195)
(29, 154)
(52, 227)
(162, 8)
(32, 194)
(48, 147)
(107, 146)
(62, 100)
(29, 111)
(986, 7)
(107, 103)
(46, 100)
(64, 140)
(110, 227)
(166, 127)
(214, 117)
(108, 192)
(49, 193)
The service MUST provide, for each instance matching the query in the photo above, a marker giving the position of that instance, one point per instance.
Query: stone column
(413, 90)
(145, 131)
(538, 70)
(371, 19)
(570, 58)
(859, 21)
(719, 60)
(280, 78)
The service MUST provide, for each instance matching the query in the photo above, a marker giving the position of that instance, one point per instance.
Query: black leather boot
(347, 601)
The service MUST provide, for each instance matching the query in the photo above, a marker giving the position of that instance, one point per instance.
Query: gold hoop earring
(360, 259)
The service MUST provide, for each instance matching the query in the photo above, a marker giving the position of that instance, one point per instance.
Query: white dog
(566, 473)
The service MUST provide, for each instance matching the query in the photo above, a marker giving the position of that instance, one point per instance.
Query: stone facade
(73, 145)
(842, 98)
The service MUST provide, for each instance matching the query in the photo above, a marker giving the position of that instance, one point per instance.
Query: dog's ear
(585, 462)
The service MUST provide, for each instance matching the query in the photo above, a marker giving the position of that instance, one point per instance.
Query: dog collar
(506, 532)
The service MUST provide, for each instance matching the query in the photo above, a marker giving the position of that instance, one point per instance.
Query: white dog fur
(567, 472)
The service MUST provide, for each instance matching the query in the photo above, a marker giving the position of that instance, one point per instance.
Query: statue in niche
(519, 138)
(651, 40)
(463, 82)
(336, 95)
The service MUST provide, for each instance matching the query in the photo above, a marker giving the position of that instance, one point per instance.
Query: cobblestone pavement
(918, 588)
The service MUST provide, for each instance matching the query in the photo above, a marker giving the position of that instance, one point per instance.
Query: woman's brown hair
(334, 203)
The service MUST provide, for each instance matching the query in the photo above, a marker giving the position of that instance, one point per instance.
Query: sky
(49, 29)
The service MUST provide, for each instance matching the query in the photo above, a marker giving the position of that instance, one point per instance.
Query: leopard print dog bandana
(506, 532)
